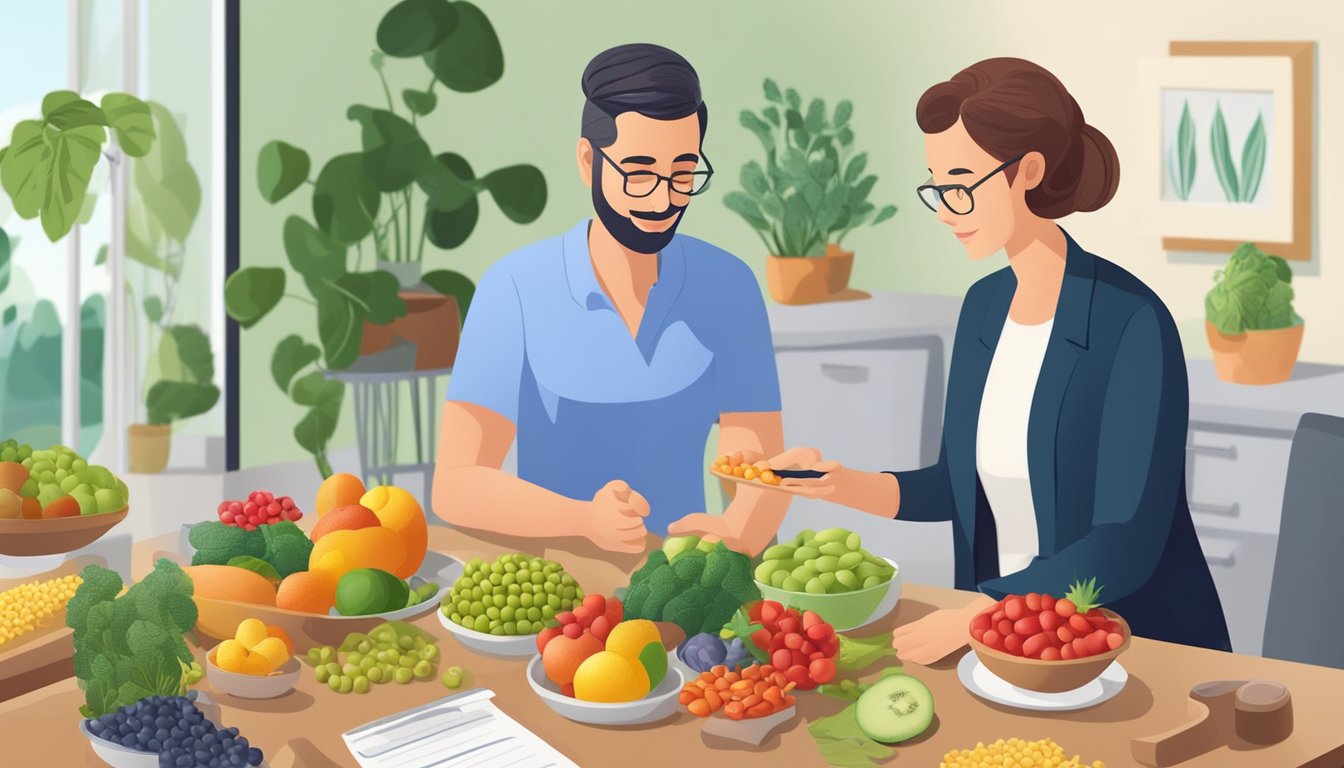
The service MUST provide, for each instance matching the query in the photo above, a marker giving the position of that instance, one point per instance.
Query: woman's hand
(807, 459)
(935, 636)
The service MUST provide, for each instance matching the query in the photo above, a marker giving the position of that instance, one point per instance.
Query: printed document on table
(466, 730)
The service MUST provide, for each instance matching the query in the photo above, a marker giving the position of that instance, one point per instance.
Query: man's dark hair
(654, 81)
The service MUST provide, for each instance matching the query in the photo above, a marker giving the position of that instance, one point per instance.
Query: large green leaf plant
(1254, 292)
(812, 190)
(386, 198)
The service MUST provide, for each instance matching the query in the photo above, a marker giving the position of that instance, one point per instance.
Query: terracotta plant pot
(432, 323)
(808, 280)
(149, 447)
(1255, 357)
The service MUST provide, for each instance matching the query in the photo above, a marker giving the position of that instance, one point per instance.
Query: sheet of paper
(465, 730)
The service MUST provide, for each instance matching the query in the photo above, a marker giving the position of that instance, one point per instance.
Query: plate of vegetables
(499, 608)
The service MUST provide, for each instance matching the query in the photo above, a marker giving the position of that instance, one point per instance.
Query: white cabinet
(864, 382)
(1236, 466)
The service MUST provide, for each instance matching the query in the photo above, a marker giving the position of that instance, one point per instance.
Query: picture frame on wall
(1225, 131)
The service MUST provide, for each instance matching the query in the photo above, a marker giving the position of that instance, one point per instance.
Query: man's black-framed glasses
(643, 183)
(957, 197)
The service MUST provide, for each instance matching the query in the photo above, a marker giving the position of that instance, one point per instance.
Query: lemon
(250, 633)
(231, 656)
(273, 650)
(609, 677)
(629, 638)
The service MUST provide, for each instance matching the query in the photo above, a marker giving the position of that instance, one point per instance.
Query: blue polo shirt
(544, 347)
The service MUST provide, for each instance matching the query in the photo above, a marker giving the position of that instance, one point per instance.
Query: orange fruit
(340, 552)
(227, 582)
(66, 506)
(607, 676)
(12, 476)
(339, 490)
(32, 508)
(348, 518)
(400, 512)
(307, 591)
(11, 506)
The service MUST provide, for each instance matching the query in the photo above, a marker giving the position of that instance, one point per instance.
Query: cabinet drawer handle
(845, 374)
(1220, 451)
(1228, 560)
(1226, 510)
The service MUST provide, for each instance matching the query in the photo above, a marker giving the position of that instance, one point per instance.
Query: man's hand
(616, 518)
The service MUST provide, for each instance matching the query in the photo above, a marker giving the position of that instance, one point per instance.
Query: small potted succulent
(810, 193)
(1253, 331)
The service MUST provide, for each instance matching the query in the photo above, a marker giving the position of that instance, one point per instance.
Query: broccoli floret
(687, 609)
(287, 548)
(689, 566)
(717, 565)
(217, 543)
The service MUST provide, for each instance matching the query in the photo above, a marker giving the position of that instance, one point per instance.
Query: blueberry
(254, 756)
(209, 739)
(128, 741)
(155, 745)
(184, 761)
(202, 756)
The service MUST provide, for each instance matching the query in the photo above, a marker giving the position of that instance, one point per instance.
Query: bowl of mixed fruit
(1041, 643)
(54, 501)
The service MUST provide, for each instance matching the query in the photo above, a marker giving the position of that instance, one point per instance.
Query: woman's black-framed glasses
(957, 197)
(643, 183)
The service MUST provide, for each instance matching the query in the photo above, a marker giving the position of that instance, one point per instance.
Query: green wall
(305, 61)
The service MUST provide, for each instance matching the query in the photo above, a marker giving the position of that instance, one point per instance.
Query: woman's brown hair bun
(1012, 106)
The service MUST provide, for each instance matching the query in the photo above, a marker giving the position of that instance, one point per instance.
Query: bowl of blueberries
(166, 732)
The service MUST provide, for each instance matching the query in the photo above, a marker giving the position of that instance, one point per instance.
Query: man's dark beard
(623, 229)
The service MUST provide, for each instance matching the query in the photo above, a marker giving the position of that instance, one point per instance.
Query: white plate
(115, 754)
(662, 701)
(501, 646)
(989, 686)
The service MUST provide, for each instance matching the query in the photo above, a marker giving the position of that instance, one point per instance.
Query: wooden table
(303, 728)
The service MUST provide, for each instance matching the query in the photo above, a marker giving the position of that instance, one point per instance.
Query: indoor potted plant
(384, 200)
(811, 193)
(160, 217)
(1253, 331)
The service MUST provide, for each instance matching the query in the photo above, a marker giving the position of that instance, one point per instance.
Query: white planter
(406, 272)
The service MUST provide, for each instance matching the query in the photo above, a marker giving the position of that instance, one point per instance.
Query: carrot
(741, 686)
(773, 695)
(751, 701)
(732, 677)
(734, 710)
(789, 701)
(789, 687)
(718, 671)
(721, 684)
(708, 677)
(687, 697)
(753, 672)
(715, 701)
(760, 686)
(701, 684)
(699, 708)
(765, 669)
(760, 710)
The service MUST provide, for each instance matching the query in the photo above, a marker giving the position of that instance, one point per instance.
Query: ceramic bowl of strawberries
(1047, 644)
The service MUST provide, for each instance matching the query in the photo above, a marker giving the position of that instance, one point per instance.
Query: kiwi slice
(895, 709)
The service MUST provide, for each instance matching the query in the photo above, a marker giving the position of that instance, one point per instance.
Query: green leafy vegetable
(842, 744)
(283, 545)
(1253, 292)
(741, 626)
(132, 646)
(700, 592)
(858, 654)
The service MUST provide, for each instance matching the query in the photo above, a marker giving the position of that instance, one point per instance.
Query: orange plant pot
(432, 323)
(808, 280)
(1255, 357)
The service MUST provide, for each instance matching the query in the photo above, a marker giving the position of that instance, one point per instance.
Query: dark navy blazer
(1106, 444)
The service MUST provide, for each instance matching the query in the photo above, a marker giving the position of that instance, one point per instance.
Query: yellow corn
(1015, 753)
(23, 608)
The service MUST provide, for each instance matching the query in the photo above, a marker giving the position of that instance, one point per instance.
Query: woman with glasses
(1063, 452)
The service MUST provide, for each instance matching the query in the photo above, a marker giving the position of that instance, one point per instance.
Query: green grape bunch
(58, 471)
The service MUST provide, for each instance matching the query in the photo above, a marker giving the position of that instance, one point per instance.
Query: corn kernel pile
(23, 608)
(1015, 753)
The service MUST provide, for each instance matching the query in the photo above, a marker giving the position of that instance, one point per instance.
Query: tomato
(1096, 642)
(1065, 635)
(981, 622)
(1066, 652)
(798, 674)
(1080, 625)
(1047, 603)
(771, 611)
(808, 647)
(1049, 620)
(1114, 640)
(978, 634)
(1033, 601)
(822, 670)
(997, 616)
(1005, 627)
(1014, 608)
(1027, 626)
(1080, 648)
(790, 623)
(781, 658)
(1050, 654)
(1113, 627)
(992, 639)
(1033, 645)
(1065, 607)
(1013, 644)
(811, 619)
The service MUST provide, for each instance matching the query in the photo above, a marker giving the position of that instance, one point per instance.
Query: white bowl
(115, 754)
(660, 703)
(278, 683)
(500, 646)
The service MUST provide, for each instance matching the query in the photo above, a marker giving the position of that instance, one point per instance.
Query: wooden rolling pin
(1222, 712)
